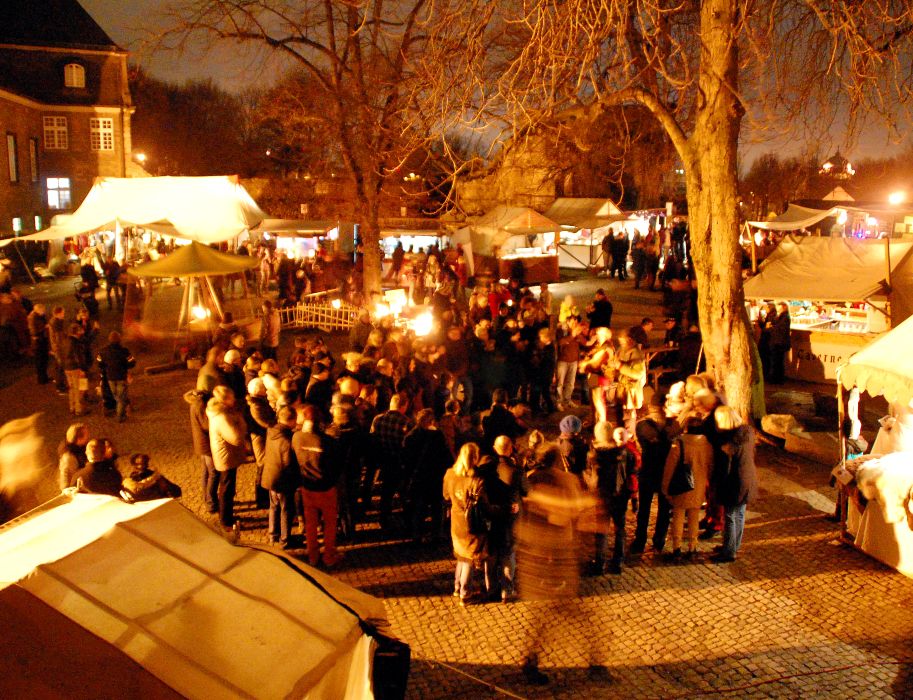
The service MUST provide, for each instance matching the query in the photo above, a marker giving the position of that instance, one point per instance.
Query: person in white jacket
(228, 441)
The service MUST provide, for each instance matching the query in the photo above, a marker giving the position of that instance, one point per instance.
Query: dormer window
(74, 76)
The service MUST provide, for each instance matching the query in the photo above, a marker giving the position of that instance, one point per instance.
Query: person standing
(695, 451)
(199, 432)
(654, 442)
(227, 440)
(779, 343)
(735, 478)
(269, 330)
(76, 368)
(389, 429)
(426, 458)
(608, 473)
(57, 335)
(41, 341)
(568, 357)
(112, 272)
(320, 474)
(260, 418)
(115, 362)
(281, 476)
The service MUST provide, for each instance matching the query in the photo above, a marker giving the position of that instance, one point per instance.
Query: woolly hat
(256, 387)
(570, 425)
(231, 357)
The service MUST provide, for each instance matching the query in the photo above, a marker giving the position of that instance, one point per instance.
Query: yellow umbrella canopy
(193, 260)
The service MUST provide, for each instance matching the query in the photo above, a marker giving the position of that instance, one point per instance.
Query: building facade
(65, 111)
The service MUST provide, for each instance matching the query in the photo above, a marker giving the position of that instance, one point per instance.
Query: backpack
(477, 519)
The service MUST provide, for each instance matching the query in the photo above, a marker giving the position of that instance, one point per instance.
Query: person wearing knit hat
(261, 416)
(573, 445)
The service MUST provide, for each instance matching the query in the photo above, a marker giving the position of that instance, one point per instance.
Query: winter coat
(319, 472)
(426, 458)
(98, 477)
(496, 421)
(466, 546)
(227, 433)
(148, 485)
(654, 443)
(574, 449)
(261, 415)
(116, 361)
(199, 422)
(608, 472)
(735, 476)
(699, 454)
(280, 465)
(75, 358)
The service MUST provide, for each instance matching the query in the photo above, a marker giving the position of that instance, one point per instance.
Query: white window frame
(59, 194)
(74, 76)
(56, 134)
(101, 133)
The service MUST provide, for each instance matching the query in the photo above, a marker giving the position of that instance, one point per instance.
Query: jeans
(461, 577)
(617, 509)
(646, 491)
(733, 527)
(281, 513)
(227, 482)
(210, 484)
(566, 378)
(321, 506)
(119, 389)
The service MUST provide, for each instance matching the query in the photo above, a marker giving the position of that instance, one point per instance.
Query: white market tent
(796, 218)
(884, 367)
(495, 229)
(836, 269)
(204, 209)
(583, 212)
(100, 598)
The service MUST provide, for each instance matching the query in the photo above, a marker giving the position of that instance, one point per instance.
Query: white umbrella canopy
(885, 367)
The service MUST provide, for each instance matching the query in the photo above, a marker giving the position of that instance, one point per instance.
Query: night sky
(128, 23)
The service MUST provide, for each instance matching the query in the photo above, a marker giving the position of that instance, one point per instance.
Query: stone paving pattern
(798, 615)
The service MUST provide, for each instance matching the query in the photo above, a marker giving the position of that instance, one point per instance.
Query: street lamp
(139, 157)
(896, 198)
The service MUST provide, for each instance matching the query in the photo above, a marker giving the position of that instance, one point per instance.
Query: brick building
(65, 110)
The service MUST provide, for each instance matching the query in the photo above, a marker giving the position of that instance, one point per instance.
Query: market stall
(100, 598)
(511, 242)
(297, 238)
(842, 293)
(879, 486)
(583, 224)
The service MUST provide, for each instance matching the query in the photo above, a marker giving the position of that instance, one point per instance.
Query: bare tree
(701, 69)
(358, 55)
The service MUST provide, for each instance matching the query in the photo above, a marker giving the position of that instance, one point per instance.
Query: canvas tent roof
(295, 227)
(172, 608)
(195, 259)
(795, 218)
(583, 212)
(494, 228)
(829, 269)
(205, 209)
(884, 367)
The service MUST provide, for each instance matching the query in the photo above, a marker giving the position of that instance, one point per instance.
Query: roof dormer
(74, 75)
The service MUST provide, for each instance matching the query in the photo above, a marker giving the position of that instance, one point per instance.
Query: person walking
(735, 477)
(115, 362)
(269, 330)
(227, 440)
(464, 489)
(76, 369)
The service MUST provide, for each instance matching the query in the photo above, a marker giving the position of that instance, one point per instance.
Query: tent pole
(887, 262)
(754, 250)
(215, 297)
(24, 263)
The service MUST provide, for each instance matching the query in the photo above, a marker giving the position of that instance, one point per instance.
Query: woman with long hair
(601, 373)
(463, 488)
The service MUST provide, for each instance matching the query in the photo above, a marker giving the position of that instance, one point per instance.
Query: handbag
(682, 480)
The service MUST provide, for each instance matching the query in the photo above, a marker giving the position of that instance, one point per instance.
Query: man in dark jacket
(75, 367)
(498, 420)
(609, 468)
(281, 476)
(199, 431)
(319, 471)
(100, 474)
(779, 343)
(600, 310)
(654, 443)
(260, 418)
(426, 458)
(41, 341)
(116, 361)
(388, 430)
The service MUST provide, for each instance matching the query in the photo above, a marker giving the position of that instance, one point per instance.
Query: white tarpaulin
(497, 227)
(204, 209)
(795, 218)
(884, 367)
(583, 212)
(817, 268)
(172, 608)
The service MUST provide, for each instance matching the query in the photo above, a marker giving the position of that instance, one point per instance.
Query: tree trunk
(370, 238)
(712, 186)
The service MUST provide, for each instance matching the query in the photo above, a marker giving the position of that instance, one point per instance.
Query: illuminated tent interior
(207, 277)
(100, 598)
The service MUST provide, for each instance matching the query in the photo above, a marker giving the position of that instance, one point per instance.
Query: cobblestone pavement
(796, 616)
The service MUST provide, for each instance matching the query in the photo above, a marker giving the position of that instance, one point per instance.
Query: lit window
(56, 137)
(74, 76)
(59, 192)
(12, 157)
(101, 134)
